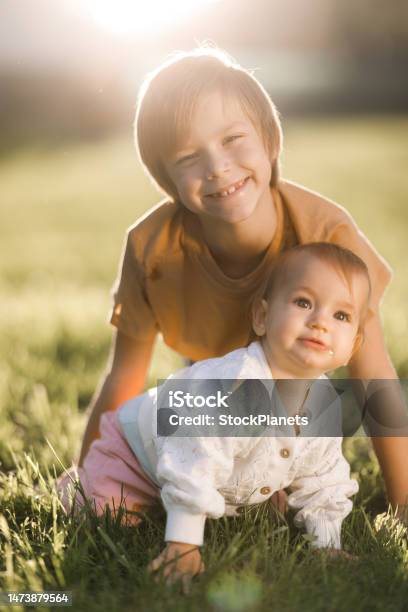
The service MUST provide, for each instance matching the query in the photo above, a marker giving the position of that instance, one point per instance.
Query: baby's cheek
(346, 350)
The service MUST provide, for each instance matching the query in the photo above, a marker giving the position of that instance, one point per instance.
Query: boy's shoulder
(158, 231)
(311, 213)
(318, 219)
(161, 213)
(162, 225)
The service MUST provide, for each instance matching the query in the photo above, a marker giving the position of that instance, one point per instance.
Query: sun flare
(140, 16)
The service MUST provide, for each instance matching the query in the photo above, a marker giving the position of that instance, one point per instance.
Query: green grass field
(63, 215)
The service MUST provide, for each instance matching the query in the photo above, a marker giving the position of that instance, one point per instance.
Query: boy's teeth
(226, 192)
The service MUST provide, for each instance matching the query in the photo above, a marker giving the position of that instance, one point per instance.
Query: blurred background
(70, 183)
(70, 69)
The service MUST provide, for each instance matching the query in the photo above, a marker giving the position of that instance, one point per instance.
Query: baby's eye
(342, 316)
(231, 138)
(303, 303)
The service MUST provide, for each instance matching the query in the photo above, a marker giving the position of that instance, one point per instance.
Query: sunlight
(140, 16)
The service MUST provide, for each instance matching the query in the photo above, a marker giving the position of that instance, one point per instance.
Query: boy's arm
(372, 362)
(127, 368)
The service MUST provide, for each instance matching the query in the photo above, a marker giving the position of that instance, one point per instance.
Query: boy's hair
(168, 98)
(341, 259)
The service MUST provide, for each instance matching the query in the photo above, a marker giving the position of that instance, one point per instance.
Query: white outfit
(204, 477)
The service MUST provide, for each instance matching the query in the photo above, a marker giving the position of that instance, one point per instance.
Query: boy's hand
(178, 561)
(402, 514)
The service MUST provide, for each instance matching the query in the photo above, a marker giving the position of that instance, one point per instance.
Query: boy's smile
(221, 169)
(227, 191)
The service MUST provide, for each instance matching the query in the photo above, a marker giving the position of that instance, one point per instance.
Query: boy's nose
(217, 166)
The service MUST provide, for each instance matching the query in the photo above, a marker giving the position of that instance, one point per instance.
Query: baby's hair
(168, 98)
(341, 259)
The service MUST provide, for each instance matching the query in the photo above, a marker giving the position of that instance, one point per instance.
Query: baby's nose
(319, 325)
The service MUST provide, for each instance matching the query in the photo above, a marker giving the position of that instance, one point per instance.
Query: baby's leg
(111, 475)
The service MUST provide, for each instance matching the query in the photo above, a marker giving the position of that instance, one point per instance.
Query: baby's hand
(279, 500)
(179, 561)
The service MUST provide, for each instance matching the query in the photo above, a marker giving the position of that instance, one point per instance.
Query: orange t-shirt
(169, 282)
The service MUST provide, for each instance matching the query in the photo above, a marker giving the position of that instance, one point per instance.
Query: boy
(209, 136)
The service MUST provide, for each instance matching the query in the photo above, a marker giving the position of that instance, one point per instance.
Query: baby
(308, 321)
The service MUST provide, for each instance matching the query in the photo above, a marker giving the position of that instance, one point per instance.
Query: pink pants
(111, 475)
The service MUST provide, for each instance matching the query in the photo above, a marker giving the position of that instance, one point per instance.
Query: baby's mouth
(314, 343)
(227, 191)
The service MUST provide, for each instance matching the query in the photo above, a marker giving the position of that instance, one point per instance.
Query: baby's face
(311, 323)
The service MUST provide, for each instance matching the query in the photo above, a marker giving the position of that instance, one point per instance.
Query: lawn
(63, 216)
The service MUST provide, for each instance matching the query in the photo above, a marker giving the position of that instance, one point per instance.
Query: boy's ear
(259, 311)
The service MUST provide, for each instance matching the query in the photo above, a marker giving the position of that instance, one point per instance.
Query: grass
(62, 222)
(255, 562)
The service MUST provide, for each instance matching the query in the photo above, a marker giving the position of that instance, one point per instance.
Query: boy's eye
(231, 138)
(342, 316)
(186, 159)
(303, 303)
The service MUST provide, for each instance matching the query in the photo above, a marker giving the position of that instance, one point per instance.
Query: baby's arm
(190, 470)
(321, 493)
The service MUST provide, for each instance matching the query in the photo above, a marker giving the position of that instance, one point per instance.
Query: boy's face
(221, 169)
(309, 326)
